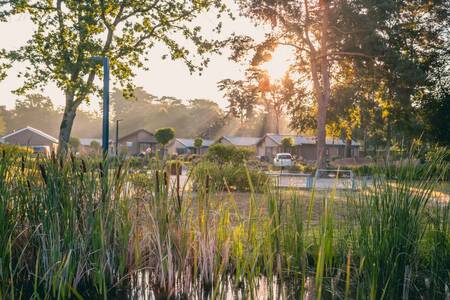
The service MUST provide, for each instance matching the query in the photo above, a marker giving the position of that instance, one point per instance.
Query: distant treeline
(192, 118)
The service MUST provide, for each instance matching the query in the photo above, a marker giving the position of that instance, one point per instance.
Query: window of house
(181, 150)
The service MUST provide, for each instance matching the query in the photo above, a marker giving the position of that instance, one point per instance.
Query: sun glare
(277, 66)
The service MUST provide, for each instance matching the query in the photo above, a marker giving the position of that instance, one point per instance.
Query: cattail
(83, 166)
(61, 161)
(157, 182)
(207, 185)
(22, 164)
(166, 182)
(54, 157)
(119, 170)
(43, 173)
(178, 189)
(72, 160)
(100, 166)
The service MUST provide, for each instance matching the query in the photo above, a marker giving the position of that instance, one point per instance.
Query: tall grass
(87, 229)
(65, 228)
(390, 231)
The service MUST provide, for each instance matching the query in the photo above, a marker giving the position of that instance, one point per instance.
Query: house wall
(137, 143)
(175, 146)
(307, 152)
(268, 148)
(29, 138)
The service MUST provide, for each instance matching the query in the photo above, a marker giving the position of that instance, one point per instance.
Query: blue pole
(105, 136)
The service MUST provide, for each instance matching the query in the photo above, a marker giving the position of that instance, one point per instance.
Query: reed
(89, 229)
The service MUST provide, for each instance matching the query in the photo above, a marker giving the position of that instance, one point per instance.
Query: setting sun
(278, 65)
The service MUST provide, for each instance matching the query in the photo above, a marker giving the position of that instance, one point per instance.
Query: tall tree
(198, 142)
(37, 111)
(309, 27)
(241, 96)
(163, 136)
(392, 36)
(258, 91)
(68, 33)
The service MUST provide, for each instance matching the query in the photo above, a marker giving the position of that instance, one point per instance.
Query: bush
(221, 154)
(229, 176)
(14, 150)
(142, 183)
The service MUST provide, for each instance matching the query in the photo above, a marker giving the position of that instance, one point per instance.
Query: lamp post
(105, 135)
(117, 136)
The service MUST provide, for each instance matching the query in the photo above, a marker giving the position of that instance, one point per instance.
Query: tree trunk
(348, 148)
(66, 124)
(388, 141)
(277, 125)
(324, 98)
(321, 133)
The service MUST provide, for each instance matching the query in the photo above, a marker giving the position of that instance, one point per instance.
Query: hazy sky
(165, 77)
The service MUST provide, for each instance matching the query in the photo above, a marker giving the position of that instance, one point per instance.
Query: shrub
(14, 150)
(229, 176)
(220, 153)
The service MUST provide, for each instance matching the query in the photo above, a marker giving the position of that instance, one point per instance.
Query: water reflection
(262, 288)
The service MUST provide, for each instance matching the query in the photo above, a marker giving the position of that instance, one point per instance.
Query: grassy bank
(88, 229)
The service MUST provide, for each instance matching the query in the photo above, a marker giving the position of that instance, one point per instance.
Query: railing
(294, 180)
(322, 179)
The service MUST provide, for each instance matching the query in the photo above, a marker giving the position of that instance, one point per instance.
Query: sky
(165, 77)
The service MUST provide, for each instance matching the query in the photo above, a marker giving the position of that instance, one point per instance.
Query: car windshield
(284, 156)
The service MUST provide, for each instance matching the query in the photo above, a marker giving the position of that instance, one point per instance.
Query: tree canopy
(68, 33)
(164, 135)
(372, 60)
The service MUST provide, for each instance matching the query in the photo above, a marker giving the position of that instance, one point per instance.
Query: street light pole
(117, 136)
(105, 136)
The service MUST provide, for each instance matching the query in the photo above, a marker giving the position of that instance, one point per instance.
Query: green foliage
(95, 146)
(198, 142)
(14, 150)
(391, 240)
(164, 135)
(220, 153)
(67, 34)
(74, 143)
(77, 250)
(392, 73)
(230, 176)
(287, 143)
(242, 97)
(245, 96)
(391, 224)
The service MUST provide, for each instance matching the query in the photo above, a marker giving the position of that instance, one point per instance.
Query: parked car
(283, 160)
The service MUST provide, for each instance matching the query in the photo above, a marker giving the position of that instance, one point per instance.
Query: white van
(283, 160)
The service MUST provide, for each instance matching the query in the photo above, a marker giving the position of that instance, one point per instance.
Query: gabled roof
(31, 129)
(298, 140)
(309, 140)
(241, 140)
(189, 143)
(136, 132)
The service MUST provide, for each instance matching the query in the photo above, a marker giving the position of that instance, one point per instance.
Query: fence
(322, 179)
